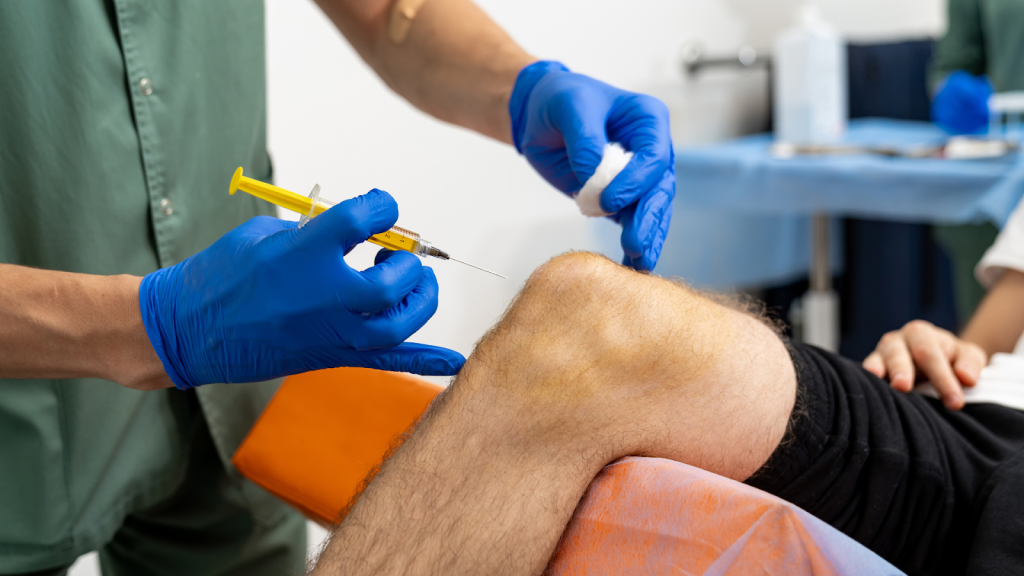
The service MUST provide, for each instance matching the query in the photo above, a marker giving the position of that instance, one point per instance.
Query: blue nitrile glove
(960, 105)
(269, 299)
(561, 122)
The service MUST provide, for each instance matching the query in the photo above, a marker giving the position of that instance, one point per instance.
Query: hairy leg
(592, 362)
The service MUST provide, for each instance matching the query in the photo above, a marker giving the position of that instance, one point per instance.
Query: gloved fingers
(627, 214)
(968, 98)
(563, 134)
(580, 118)
(553, 164)
(264, 230)
(355, 219)
(393, 326)
(649, 258)
(584, 152)
(260, 226)
(385, 284)
(273, 236)
(421, 359)
(653, 217)
(960, 105)
(641, 124)
(382, 255)
(964, 83)
(645, 225)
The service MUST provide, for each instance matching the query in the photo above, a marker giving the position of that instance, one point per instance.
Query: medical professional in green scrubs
(982, 52)
(132, 286)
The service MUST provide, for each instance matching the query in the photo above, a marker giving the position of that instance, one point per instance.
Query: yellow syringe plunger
(394, 239)
(284, 198)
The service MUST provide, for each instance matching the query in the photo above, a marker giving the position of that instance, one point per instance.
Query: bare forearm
(63, 325)
(455, 64)
(999, 321)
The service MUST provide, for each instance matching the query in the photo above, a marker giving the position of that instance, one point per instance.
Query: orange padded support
(324, 431)
(654, 516)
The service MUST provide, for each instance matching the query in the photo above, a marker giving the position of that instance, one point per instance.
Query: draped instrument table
(745, 217)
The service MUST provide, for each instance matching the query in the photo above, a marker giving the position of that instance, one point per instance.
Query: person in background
(921, 351)
(980, 54)
(126, 270)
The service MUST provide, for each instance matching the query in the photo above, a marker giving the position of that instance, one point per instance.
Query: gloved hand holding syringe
(313, 205)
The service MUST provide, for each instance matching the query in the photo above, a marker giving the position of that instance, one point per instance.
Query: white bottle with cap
(810, 81)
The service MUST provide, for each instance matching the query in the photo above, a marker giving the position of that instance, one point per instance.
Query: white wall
(334, 123)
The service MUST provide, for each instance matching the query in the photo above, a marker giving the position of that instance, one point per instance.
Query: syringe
(394, 239)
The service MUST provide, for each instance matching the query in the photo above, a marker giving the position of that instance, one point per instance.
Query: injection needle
(478, 268)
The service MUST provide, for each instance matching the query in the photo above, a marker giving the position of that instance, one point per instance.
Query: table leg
(821, 303)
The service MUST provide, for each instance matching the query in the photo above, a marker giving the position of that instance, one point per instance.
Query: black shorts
(931, 490)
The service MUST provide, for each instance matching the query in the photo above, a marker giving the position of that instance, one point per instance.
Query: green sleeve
(963, 47)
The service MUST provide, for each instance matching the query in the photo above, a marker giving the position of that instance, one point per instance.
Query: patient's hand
(921, 350)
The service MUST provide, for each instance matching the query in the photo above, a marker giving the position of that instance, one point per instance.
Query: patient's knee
(576, 282)
(578, 295)
(565, 314)
(575, 266)
(603, 300)
(581, 315)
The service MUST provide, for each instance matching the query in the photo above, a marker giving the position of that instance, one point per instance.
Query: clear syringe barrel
(394, 239)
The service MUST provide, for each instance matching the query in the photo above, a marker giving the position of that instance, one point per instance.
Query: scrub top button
(166, 207)
(146, 86)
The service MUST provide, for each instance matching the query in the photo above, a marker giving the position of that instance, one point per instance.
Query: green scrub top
(984, 37)
(121, 122)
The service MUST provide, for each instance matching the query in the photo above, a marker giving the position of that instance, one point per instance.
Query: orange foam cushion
(655, 516)
(325, 431)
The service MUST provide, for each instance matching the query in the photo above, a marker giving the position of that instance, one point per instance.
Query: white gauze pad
(613, 160)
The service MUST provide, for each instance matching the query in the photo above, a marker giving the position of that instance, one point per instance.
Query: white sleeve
(1007, 252)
